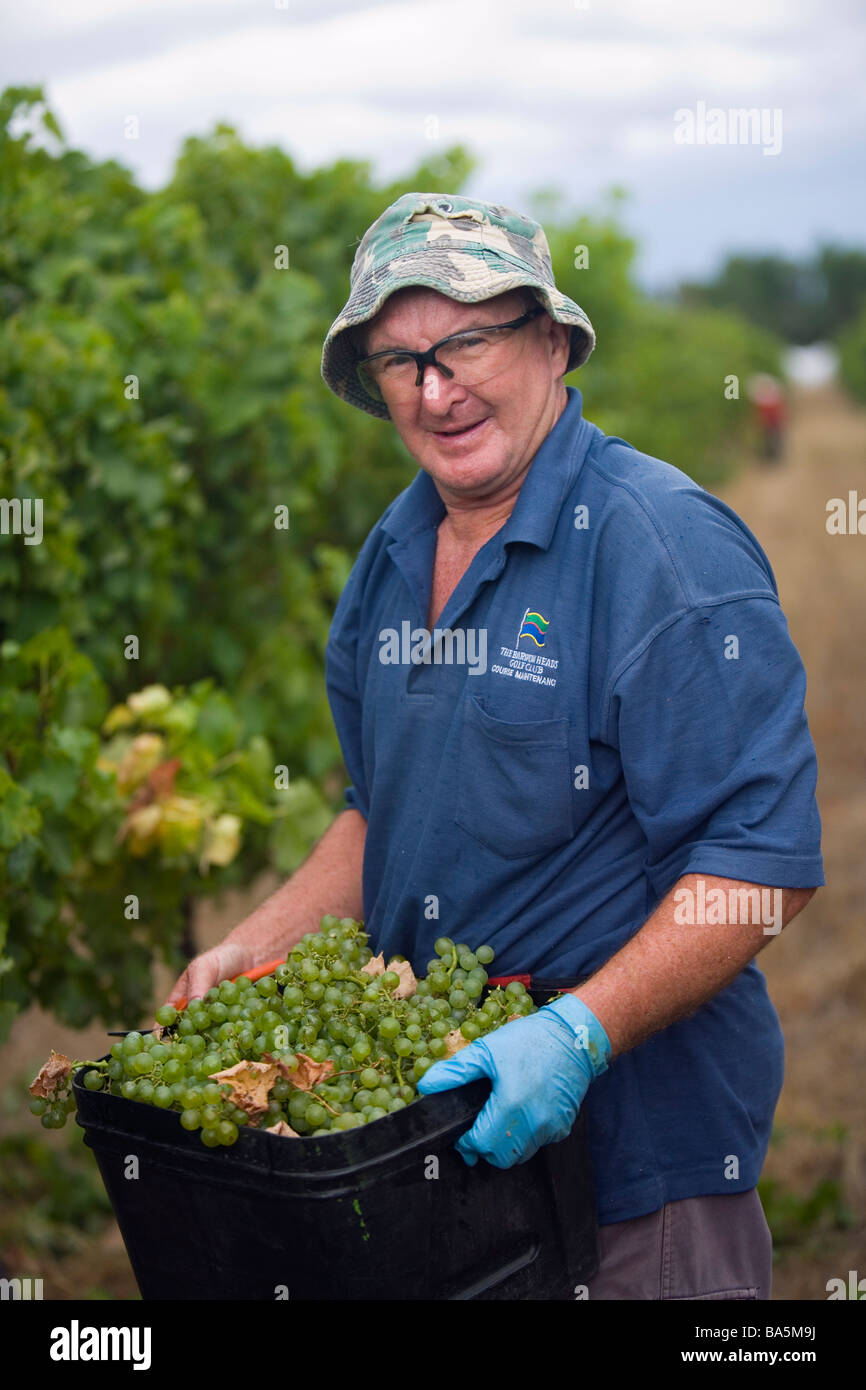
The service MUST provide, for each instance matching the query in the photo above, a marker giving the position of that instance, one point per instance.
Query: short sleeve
(343, 696)
(719, 765)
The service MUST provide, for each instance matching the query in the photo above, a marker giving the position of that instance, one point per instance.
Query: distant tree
(802, 301)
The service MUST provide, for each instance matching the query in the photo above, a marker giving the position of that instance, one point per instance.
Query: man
(573, 719)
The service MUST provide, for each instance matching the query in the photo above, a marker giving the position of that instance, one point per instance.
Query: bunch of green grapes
(320, 1006)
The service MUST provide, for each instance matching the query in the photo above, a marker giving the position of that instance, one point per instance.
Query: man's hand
(540, 1066)
(222, 962)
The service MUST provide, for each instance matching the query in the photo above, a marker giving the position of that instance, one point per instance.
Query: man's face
(473, 441)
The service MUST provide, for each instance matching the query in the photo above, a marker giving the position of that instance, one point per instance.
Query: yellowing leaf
(282, 1128)
(376, 966)
(140, 758)
(153, 699)
(52, 1076)
(222, 840)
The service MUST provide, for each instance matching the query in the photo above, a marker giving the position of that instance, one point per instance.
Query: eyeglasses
(467, 358)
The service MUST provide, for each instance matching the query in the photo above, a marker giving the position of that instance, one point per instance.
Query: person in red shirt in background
(768, 398)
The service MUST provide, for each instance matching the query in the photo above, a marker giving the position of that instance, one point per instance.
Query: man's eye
(396, 362)
(473, 343)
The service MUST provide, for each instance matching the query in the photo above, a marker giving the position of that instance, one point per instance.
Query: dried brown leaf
(282, 1128)
(52, 1076)
(250, 1084)
(375, 966)
(309, 1073)
(408, 983)
(454, 1042)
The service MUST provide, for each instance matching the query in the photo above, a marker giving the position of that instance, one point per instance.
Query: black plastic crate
(358, 1215)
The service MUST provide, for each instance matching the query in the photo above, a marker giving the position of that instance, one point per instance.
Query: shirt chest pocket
(514, 783)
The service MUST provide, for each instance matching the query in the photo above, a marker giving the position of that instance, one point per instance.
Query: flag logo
(534, 626)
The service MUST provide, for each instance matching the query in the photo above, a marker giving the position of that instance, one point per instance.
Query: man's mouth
(462, 432)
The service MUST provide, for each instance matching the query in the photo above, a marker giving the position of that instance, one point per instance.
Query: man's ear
(560, 341)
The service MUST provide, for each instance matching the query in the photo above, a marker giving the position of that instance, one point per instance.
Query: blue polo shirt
(610, 700)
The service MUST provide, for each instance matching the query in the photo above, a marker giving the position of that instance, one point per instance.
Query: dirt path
(817, 968)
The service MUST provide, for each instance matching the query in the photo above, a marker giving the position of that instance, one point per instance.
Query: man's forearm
(328, 881)
(670, 968)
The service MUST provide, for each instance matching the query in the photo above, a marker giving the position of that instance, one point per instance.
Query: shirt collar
(541, 496)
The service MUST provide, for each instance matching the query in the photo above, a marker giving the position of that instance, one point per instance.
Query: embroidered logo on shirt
(524, 664)
(533, 626)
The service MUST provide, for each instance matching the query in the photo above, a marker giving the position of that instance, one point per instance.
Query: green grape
(172, 1071)
(116, 1070)
(229, 992)
(298, 1103)
(132, 1043)
(166, 1015)
(413, 1031)
(390, 979)
(162, 1097)
(38, 1105)
(470, 1030)
(210, 1138)
(376, 1113)
(382, 1097)
(369, 1078)
(403, 1046)
(421, 1065)
(129, 1090)
(397, 1103)
(142, 1063)
(315, 1114)
(191, 1119)
(485, 954)
(116, 1051)
(421, 1047)
(196, 1044)
(266, 986)
(185, 1026)
(145, 1090)
(444, 946)
(515, 989)
(178, 1090)
(227, 1131)
(362, 1098)
(361, 1047)
(158, 1052)
(436, 1047)
(473, 988)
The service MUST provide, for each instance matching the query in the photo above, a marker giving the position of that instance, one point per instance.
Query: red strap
(496, 981)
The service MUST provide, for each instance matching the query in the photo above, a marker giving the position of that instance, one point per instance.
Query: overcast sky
(582, 94)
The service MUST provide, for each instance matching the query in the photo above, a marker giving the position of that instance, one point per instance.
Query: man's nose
(438, 391)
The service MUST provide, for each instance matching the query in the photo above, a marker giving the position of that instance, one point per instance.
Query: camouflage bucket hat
(465, 249)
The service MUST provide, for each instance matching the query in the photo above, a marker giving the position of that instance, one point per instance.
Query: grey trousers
(697, 1248)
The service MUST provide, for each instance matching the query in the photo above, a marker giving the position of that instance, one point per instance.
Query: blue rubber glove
(540, 1066)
